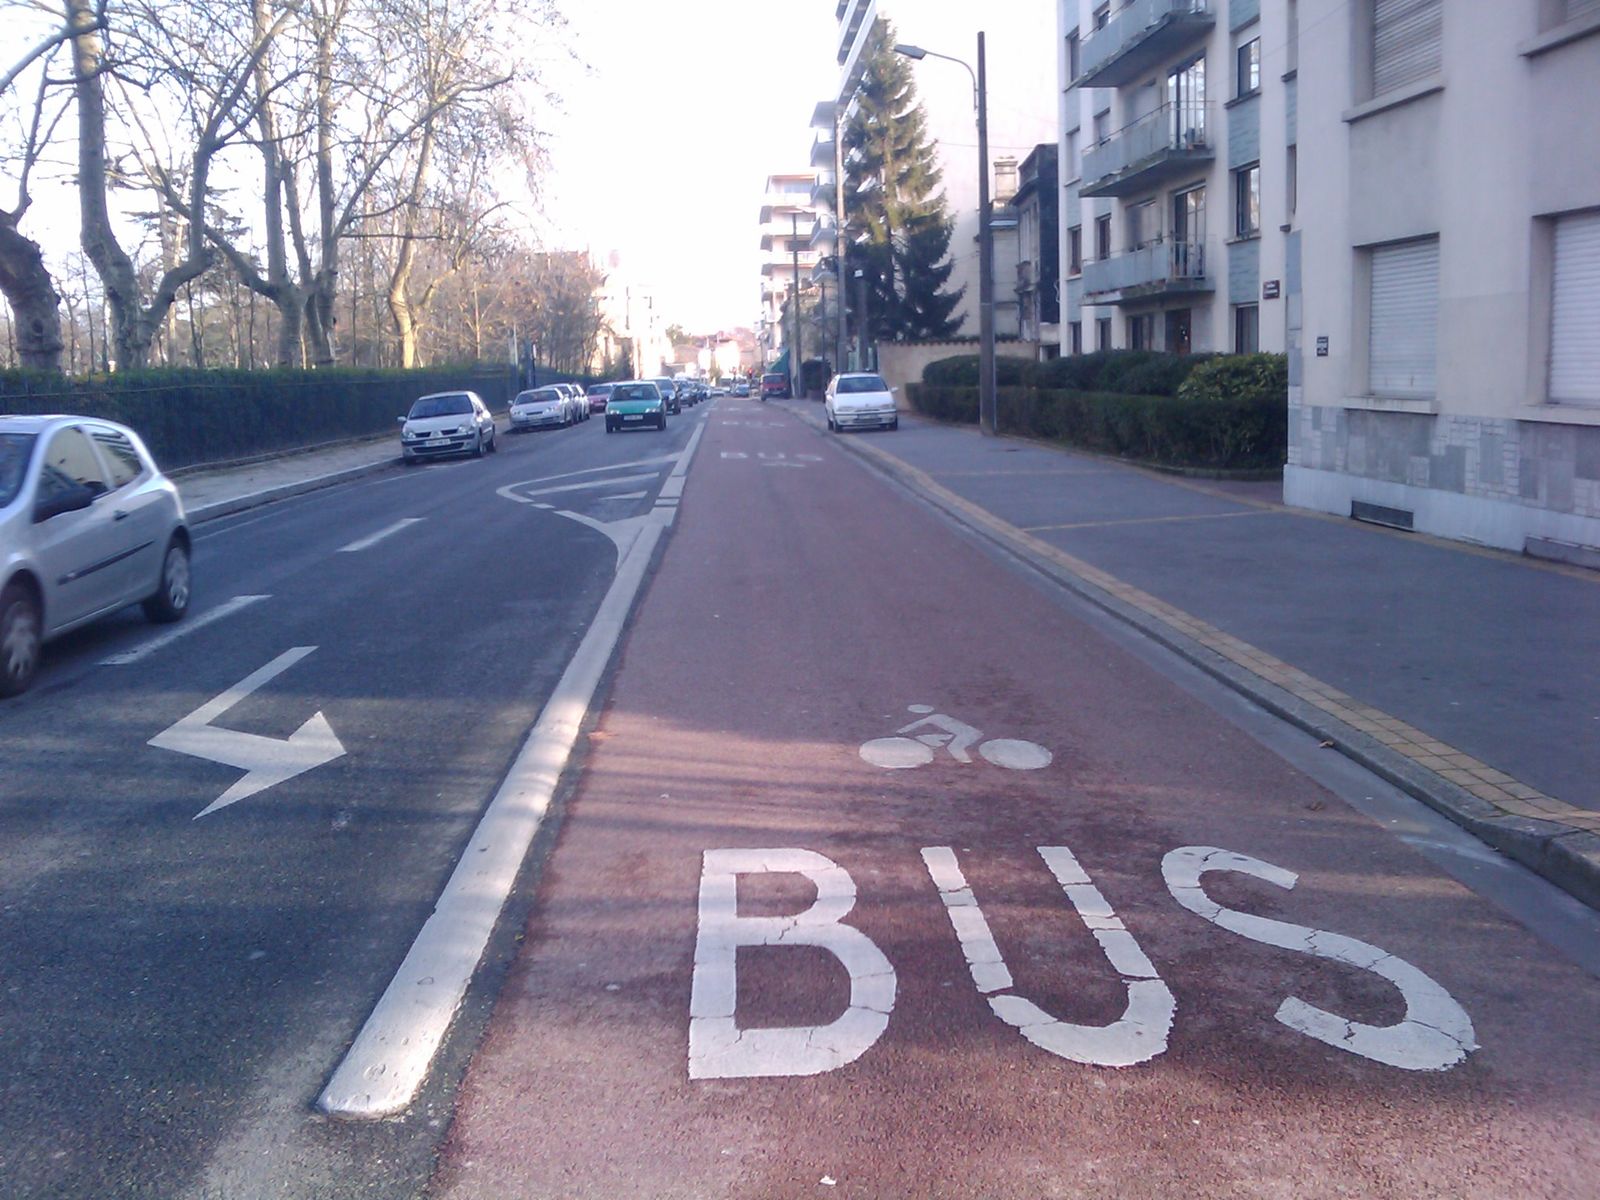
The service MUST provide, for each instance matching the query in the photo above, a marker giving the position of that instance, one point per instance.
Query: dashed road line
(226, 609)
(372, 539)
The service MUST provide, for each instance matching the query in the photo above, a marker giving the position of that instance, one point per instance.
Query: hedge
(1130, 372)
(189, 417)
(1231, 413)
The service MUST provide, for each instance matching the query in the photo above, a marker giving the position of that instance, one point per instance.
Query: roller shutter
(1581, 8)
(1403, 335)
(1575, 311)
(1406, 42)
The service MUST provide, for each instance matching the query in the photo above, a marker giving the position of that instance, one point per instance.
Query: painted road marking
(718, 1048)
(587, 485)
(372, 539)
(266, 761)
(1137, 1036)
(1435, 1035)
(391, 1056)
(902, 752)
(145, 649)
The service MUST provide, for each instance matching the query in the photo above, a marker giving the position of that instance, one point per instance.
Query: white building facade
(1450, 189)
(788, 218)
(1021, 78)
(1178, 220)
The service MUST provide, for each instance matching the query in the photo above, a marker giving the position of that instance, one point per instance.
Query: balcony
(822, 152)
(822, 193)
(1140, 36)
(849, 14)
(1159, 269)
(1160, 145)
(822, 233)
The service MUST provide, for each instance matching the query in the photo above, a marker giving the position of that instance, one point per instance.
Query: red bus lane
(890, 875)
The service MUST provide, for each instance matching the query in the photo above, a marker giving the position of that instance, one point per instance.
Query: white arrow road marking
(266, 761)
(372, 539)
(188, 627)
(588, 485)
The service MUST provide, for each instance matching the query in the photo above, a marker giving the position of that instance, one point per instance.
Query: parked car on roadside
(540, 408)
(742, 388)
(669, 394)
(88, 525)
(637, 403)
(596, 396)
(775, 385)
(859, 400)
(447, 423)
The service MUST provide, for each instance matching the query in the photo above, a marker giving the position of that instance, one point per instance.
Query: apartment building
(1450, 187)
(788, 217)
(1178, 159)
(1038, 278)
(1021, 77)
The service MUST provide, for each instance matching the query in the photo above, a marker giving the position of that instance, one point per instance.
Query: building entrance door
(1178, 330)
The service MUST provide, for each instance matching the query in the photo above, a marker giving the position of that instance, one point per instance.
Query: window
(1292, 50)
(1186, 90)
(1406, 42)
(1575, 301)
(1142, 331)
(1402, 326)
(1074, 155)
(1143, 225)
(120, 456)
(1101, 16)
(1073, 47)
(1075, 337)
(1248, 60)
(1102, 127)
(1247, 201)
(1075, 250)
(1102, 333)
(1246, 328)
(1102, 237)
(1292, 197)
(71, 458)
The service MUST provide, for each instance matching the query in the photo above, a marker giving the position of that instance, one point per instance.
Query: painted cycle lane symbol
(956, 738)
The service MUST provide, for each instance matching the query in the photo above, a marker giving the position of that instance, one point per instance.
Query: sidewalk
(212, 492)
(1464, 676)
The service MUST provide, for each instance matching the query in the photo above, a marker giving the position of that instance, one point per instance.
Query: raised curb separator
(1553, 838)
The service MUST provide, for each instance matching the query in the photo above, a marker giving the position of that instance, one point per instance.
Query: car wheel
(171, 599)
(477, 445)
(661, 422)
(894, 424)
(494, 441)
(21, 635)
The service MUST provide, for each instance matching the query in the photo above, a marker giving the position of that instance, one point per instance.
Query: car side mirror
(400, 420)
(73, 499)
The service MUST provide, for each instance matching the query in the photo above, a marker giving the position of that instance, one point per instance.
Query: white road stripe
(166, 639)
(372, 539)
(592, 484)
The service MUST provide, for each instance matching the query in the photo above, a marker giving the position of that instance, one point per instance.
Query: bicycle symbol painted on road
(904, 751)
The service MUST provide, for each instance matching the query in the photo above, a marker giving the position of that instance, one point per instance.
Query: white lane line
(372, 539)
(226, 609)
(591, 484)
(626, 496)
(643, 462)
(390, 1057)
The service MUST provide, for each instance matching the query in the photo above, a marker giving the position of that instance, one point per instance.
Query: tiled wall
(1554, 467)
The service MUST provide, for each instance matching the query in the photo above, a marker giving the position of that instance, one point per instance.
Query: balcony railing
(1161, 268)
(822, 151)
(1159, 144)
(1138, 36)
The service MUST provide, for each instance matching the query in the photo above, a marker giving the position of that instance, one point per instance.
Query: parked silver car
(446, 423)
(88, 525)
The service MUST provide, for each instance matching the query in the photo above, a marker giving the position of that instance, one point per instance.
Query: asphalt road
(896, 872)
(176, 988)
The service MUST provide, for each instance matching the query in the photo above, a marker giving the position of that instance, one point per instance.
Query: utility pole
(795, 351)
(838, 230)
(986, 370)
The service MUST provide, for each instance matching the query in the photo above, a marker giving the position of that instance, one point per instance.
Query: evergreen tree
(896, 220)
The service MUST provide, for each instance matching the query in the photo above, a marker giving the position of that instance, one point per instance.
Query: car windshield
(15, 450)
(441, 406)
(861, 383)
(635, 391)
(601, 389)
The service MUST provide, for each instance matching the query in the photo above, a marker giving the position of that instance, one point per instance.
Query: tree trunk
(28, 288)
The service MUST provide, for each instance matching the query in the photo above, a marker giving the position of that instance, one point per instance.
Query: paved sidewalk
(1465, 676)
(212, 492)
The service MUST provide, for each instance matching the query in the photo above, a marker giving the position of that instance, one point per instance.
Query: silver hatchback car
(88, 525)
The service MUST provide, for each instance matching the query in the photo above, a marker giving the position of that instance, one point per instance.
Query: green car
(637, 403)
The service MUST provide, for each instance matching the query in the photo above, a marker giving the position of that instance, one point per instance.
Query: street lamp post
(794, 302)
(980, 101)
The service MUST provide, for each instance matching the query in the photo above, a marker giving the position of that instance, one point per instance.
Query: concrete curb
(226, 508)
(1566, 855)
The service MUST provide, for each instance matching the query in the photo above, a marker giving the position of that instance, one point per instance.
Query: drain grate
(1382, 514)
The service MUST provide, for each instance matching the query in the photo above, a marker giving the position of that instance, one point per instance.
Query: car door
(140, 512)
(78, 551)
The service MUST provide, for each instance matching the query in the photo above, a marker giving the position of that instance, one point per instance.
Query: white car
(446, 423)
(88, 525)
(860, 400)
(579, 406)
(541, 408)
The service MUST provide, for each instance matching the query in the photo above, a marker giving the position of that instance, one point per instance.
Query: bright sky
(665, 144)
